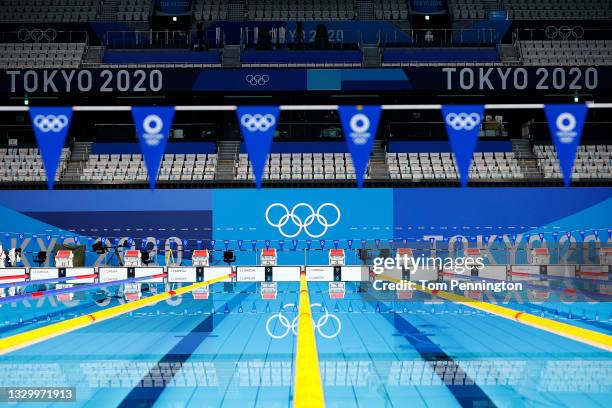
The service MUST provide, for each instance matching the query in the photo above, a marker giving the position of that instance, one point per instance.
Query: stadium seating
(48, 10)
(131, 167)
(25, 165)
(41, 55)
(557, 9)
(390, 9)
(580, 52)
(592, 162)
(441, 166)
(134, 10)
(308, 10)
(467, 9)
(210, 10)
(300, 166)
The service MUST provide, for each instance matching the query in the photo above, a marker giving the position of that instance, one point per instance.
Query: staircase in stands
(364, 10)
(523, 153)
(379, 169)
(108, 10)
(79, 154)
(227, 156)
(236, 10)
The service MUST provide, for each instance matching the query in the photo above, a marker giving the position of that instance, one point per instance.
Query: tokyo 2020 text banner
(153, 81)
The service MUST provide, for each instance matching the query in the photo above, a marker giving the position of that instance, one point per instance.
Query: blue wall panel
(406, 216)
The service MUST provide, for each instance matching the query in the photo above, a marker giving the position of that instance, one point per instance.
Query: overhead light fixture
(174, 19)
(427, 18)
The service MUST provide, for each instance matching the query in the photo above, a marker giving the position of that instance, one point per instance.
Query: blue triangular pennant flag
(463, 125)
(240, 242)
(565, 123)
(153, 127)
(541, 235)
(349, 243)
(254, 244)
(322, 243)
(377, 242)
(281, 244)
(199, 242)
(308, 244)
(294, 242)
(555, 236)
(267, 243)
(258, 124)
(336, 243)
(226, 244)
(50, 126)
(359, 125)
(212, 243)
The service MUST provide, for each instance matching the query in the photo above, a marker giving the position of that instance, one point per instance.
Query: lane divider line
(25, 339)
(586, 336)
(308, 388)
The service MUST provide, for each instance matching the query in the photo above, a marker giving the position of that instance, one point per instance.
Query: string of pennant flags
(258, 124)
(293, 244)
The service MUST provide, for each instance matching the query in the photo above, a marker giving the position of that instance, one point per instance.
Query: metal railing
(562, 33)
(43, 36)
(442, 37)
(149, 39)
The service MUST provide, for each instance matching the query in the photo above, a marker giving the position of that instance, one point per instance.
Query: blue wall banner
(50, 128)
(258, 124)
(462, 125)
(153, 128)
(565, 123)
(500, 221)
(359, 125)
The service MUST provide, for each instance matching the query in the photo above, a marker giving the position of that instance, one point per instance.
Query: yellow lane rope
(21, 340)
(590, 337)
(308, 386)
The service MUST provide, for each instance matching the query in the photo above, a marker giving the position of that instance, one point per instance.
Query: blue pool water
(237, 350)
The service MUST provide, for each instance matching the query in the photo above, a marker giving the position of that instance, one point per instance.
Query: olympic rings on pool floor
(291, 326)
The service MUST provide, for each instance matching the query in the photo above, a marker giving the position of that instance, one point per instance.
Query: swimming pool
(236, 349)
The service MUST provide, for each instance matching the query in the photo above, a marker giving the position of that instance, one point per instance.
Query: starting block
(200, 257)
(404, 251)
(404, 294)
(605, 256)
(132, 258)
(201, 293)
(337, 290)
(64, 259)
(539, 295)
(131, 292)
(337, 257)
(540, 256)
(269, 257)
(269, 290)
(474, 294)
(64, 297)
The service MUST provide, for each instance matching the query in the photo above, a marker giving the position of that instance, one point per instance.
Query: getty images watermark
(453, 266)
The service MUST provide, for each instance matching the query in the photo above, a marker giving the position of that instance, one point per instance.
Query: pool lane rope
(590, 337)
(22, 340)
(308, 388)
